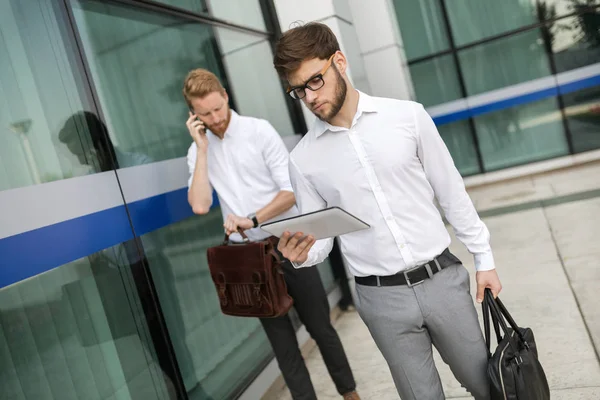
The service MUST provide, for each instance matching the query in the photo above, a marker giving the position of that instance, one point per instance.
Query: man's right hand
(295, 247)
(197, 131)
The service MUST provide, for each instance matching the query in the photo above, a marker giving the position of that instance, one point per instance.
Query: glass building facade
(507, 82)
(105, 291)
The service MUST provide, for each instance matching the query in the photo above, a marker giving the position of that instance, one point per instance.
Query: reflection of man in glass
(245, 160)
(102, 155)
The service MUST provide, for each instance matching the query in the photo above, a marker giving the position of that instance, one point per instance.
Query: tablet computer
(322, 224)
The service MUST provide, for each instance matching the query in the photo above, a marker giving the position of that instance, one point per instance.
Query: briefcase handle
(241, 232)
(499, 313)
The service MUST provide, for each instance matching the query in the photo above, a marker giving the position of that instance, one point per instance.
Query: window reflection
(422, 26)
(575, 41)
(458, 137)
(77, 330)
(504, 62)
(38, 92)
(559, 8)
(521, 134)
(475, 20)
(436, 80)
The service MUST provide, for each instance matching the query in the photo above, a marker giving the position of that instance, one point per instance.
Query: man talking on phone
(246, 162)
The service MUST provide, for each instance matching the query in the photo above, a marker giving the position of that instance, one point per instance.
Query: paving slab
(536, 187)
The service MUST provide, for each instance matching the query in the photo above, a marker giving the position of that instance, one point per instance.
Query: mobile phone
(197, 119)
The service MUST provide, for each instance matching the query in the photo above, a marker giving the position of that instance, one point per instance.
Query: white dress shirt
(247, 168)
(386, 170)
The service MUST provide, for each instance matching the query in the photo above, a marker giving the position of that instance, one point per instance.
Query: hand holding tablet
(321, 224)
(298, 234)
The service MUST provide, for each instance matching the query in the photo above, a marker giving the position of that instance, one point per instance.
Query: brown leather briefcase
(249, 279)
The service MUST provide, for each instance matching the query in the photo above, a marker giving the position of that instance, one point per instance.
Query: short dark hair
(305, 42)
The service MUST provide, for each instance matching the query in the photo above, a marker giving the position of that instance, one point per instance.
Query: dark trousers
(310, 301)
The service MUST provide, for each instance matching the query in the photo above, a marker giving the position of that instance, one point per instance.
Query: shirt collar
(366, 104)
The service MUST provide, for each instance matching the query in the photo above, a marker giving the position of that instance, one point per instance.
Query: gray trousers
(405, 321)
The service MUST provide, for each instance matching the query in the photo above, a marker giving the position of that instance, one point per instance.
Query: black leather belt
(413, 276)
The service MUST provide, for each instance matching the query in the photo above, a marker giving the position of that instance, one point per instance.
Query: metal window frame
(453, 50)
(492, 38)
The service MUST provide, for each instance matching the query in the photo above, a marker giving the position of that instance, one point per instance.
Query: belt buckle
(408, 282)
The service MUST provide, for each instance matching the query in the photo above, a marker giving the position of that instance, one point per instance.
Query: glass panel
(575, 44)
(576, 41)
(558, 8)
(458, 137)
(150, 118)
(145, 109)
(582, 109)
(256, 87)
(75, 333)
(504, 62)
(141, 94)
(521, 134)
(197, 6)
(241, 12)
(422, 27)
(435, 81)
(38, 92)
(215, 350)
(475, 20)
(326, 272)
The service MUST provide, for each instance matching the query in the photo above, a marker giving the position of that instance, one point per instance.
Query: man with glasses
(384, 161)
(245, 160)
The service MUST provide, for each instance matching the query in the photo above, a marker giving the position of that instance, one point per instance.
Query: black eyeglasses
(314, 83)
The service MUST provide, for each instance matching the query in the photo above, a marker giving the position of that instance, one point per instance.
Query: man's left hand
(233, 222)
(487, 279)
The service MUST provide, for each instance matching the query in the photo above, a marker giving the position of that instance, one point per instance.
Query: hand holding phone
(197, 131)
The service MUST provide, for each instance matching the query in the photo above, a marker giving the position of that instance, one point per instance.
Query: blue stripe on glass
(517, 100)
(514, 101)
(452, 117)
(579, 85)
(34, 252)
(31, 253)
(159, 211)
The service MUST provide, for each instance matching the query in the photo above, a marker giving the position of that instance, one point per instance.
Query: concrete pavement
(547, 253)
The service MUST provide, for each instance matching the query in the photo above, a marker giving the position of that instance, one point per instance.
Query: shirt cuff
(484, 261)
(310, 261)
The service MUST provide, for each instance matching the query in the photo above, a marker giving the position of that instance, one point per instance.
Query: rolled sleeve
(191, 162)
(276, 156)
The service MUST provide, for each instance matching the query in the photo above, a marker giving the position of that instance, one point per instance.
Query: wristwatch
(254, 220)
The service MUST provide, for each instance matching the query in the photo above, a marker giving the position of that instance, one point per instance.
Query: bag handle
(499, 312)
(486, 327)
(241, 232)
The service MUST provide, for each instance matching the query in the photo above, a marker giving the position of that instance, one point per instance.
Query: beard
(338, 101)
(220, 129)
